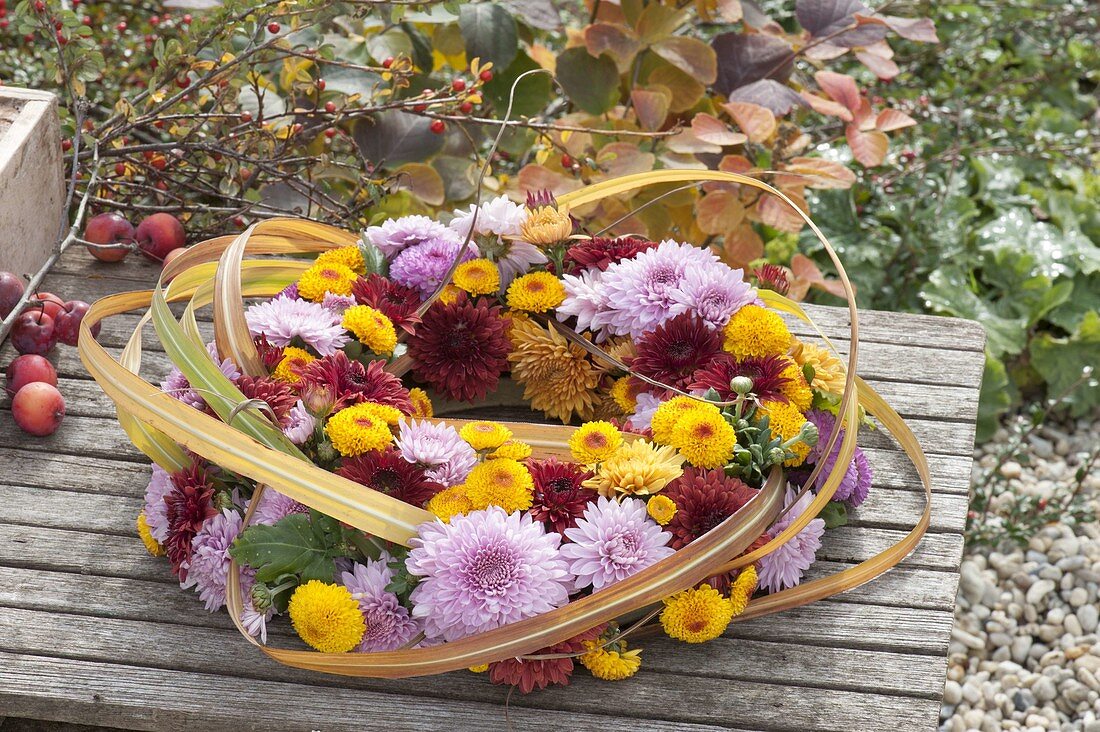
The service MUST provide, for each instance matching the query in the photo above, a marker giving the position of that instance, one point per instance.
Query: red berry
(154, 20)
(238, 222)
(58, 25)
(66, 145)
(62, 39)
(183, 82)
(330, 107)
(159, 124)
(4, 24)
(161, 185)
(420, 108)
(458, 85)
(246, 117)
(330, 132)
(486, 75)
(148, 155)
(38, 409)
(86, 20)
(438, 126)
(67, 324)
(160, 162)
(121, 26)
(33, 332)
(39, 6)
(245, 173)
(187, 19)
(320, 84)
(387, 62)
(120, 169)
(566, 161)
(29, 369)
(465, 108)
(273, 27)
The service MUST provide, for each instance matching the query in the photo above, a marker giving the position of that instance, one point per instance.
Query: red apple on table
(173, 255)
(11, 289)
(48, 303)
(109, 228)
(67, 325)
(33, 332)
(29, 369)
(38, 408)
(159, 234)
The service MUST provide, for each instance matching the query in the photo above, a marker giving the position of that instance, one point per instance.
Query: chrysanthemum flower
(178, 387)
(638, 468)
(424, 266)
(703, 499)
(829, 371)
(389, 625)
(696, 615)
(559, 497)
(290, 365)
(321, 278)
(500, 482)
(856, 482)
(484, 570)
(436, 447)
(269, 353)
(151, 545)
(373, 329)
(714, 293)
(644, 410)
(625, 393)
(350, 382)
(513, 449)
(282, 320)
(499, 216)
(449, 503)
(611, 663)
(671, 412)
(704, 438)
(208, 567)
(189, 505)
(275, 506)
(338, 303)
(528, 675)
(156, 510)
(558, 376)
(397, 302)
(546, 225)
(783, 567)
(613, 540)
(796, 389)
(768, 375)
(585, 300)
(421, 403)
(395, 235)
(742, 589)
(326, 617)
(661, 508)
(278, 395)
(387, 472)
(478, 277)
(598, 252)
(785, 421)
(300, 424)
(358, 429)
(594, 442)
(536, 292)
(756, 331)
(772, 277)
(461, 349)
(484, 435)
(350, 256)
(675, 350)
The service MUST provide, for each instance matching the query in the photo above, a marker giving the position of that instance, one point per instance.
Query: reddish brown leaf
(840, 87)
(891, 119)
(741, 246)
(651, 106)
(817, 173)
(735, 164)
(686, 141)
(718, 212)
(690, 55)
(616, 41)
(538, 177)
(827, 106)
(805, 270)
(713, 130)
(623, 158)
(868, 147)
(756, 121)
(922, 30)
(686, 91)
(744, 58)
(777, 214)
(879, 59)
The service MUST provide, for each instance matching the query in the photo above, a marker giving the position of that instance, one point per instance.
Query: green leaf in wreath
(834, 514)
(292, 546)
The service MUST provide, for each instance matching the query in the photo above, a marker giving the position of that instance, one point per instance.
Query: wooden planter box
(31, 180)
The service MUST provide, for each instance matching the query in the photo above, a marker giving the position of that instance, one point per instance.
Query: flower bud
(545, 226)
(318, 399)
(741, 385)
(262, 597)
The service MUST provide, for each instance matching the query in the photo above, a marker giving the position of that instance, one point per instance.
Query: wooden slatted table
(93, 631)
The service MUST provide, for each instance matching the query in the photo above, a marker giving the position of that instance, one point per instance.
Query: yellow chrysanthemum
(796, 389)
(351, 257)
(513, 449)
(327, 617)
(450, 294)
(477, 277)
(290, 366)
(637, 468)
(625, 393)
(422, 403)
(358, 429)
(321, 278)
(594, 442)
(696, 615)
(373, 329)
(449, 503)
(670, 412)
(484, 435)
(500, 482)
(480, 669)
(558, 377)
(742, 589)
(756, 331)
(704, 438)
(610, 664)
(786, 421)
(546, 225)
(661, 508)
(390, 415)
(151, 545)
(829, 371)
(536, 292)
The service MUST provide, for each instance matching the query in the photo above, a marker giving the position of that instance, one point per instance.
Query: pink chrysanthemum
(208, 567)
(177, 385)
(783, 567)
(283, 319)
(156, 510)
(484, 570)
(714, 293)
(497, 221)
(856, 483)
(437, 447)
(424, 266)
(389, 625)
(254, 621)
(274, 507)
(613, 540)
(394, 236)
(300, 424)
(644, 408)
(337, 303)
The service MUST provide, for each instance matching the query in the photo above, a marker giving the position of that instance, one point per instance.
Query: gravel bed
(1025, 650)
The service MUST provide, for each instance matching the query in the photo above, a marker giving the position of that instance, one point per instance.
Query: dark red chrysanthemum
(531, 675)
(277, 394)
(772, 277)
(600, 252)
(396, 301)
(766, 373)
(387, 472)
(352, 383)
(190, 503)
(269, 354)
(461, 348)
(673, 352)
(559, 498)
(541, 197)
(704, 499)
